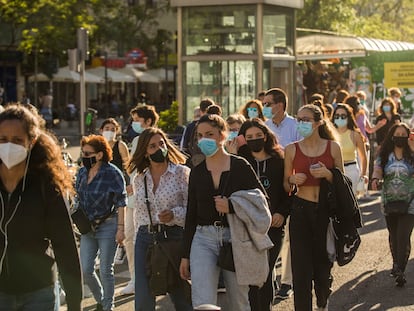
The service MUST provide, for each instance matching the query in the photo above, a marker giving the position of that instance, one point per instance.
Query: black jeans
(261, 298)
(400, 228)
(308, 226)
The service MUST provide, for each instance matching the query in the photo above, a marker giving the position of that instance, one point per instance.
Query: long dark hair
(271, 146)
(351, 124)
(387, 146)
(139, 160)
(45, 156)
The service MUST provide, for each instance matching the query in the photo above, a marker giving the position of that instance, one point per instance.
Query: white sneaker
(128, 290)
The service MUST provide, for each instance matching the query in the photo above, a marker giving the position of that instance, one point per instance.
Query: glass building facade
(231, 52)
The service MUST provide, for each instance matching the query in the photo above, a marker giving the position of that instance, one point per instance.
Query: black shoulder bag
(163, 261)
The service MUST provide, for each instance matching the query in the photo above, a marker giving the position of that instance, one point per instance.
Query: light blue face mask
(362, 102)
(386, 108)
(341, 122)
(208, 146)
(304, 128)
(232, 135)
(252, 113)
(267, 112)
(136, 126)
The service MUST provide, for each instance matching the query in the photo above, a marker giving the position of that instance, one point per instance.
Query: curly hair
(271, 146)
(140, 161)
(259, 104)
(388, 146)
(45, 154)
(99, 144)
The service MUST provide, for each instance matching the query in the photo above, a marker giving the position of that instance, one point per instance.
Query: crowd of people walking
(219, 210)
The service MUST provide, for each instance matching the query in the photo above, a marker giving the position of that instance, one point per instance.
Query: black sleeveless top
(116, 157)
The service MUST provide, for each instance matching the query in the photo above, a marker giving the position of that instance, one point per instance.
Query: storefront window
(229, 83)
(219, 29)
(278, 30)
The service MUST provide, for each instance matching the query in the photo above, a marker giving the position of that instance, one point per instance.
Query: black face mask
(400, 141)
(88, 162)
(256, 145)
(159, 156)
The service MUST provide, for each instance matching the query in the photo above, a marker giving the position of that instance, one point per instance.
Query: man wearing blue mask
(142, 117)
(284, 126)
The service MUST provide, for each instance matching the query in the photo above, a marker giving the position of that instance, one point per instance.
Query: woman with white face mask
(33, 215)
(352, 145)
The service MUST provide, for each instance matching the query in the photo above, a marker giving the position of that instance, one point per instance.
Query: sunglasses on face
(88, 153)
(340, 116)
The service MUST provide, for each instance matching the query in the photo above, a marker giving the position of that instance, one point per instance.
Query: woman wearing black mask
(163, 180)
(395, 166)
(101, 194)
(266, 157)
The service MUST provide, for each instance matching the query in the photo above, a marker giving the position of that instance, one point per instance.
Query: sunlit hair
(271, 146)
(326, 130)
(279, 96)
(214, 109)
(98, 144)
(146, 112)
(319, 103)
(215, 121)
(111, 121)
(235, 118)
(387, 101)
(388, 145)
(351, 124)
(259, 104)
(45, 155)
(140, 161)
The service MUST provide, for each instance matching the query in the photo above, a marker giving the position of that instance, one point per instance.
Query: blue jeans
(103, 242)
(144, 300)
(205, 272)
(45, 299)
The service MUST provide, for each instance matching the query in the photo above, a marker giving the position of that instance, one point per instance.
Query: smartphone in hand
(315, 165)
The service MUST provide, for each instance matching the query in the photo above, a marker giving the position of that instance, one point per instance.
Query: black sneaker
(400, 279)
(394, 271)
(284, 292)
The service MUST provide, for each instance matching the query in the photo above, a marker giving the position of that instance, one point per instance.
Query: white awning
(141, 76)
(112, 75)
(66, 75)
(323, 46)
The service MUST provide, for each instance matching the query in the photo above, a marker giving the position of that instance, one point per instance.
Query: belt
(217, 223)
(156, 228)
(350, 163)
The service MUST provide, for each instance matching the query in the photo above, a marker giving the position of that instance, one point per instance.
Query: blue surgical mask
(208, 146)
(304, 129)
(232, 135)
(252, 113)
(341, 122)
(267, 112)
(386, 108)
(362, 101)
(137, 127)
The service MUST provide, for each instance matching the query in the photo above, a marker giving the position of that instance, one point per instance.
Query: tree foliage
(391, 20)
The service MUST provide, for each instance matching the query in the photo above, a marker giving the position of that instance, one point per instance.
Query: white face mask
(109, 135)
(12, 154)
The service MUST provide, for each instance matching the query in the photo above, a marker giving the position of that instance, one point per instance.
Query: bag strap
(147, 202)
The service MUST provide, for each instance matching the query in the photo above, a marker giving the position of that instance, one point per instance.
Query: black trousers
(399, 229)
(261, 298)
(308, 226)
